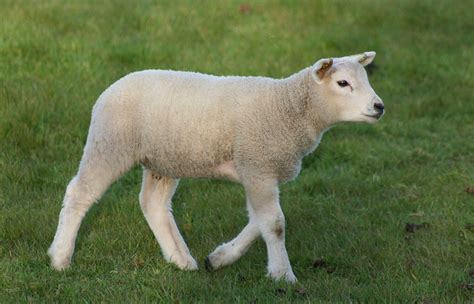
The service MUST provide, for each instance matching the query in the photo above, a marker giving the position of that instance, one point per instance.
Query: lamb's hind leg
(155, 201)
(93, 178)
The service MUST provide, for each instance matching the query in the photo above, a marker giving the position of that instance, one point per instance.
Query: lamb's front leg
(230, 252)
(264, 198)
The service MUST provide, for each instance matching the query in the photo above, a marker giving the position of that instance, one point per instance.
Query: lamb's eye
(342, 83)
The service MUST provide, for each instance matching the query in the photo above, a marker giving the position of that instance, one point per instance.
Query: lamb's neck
(296, 100)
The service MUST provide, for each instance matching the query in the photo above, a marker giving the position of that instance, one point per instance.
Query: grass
(350, 204)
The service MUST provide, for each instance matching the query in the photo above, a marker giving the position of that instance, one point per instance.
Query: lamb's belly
(187, 168)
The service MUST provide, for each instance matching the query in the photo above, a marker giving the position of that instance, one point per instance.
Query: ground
(380, 212)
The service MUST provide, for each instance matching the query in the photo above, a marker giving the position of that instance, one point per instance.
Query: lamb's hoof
(188, 264)
(60, 264)
(191, 266)
(208, 265)
(287, 276)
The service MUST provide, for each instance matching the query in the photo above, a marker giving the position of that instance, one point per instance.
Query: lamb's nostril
(379, 107)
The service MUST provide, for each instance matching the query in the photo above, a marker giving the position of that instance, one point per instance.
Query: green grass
(350, 204)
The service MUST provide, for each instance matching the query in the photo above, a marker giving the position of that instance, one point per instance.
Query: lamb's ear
(321, 68)
(366, 58)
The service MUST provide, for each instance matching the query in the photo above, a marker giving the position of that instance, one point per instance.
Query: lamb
(250, 130)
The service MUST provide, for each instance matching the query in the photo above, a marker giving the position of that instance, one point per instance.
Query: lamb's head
(342, 85)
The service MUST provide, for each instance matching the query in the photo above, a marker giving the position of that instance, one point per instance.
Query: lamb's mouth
(376, 116)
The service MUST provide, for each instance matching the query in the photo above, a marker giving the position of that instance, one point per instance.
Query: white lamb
(251, 130)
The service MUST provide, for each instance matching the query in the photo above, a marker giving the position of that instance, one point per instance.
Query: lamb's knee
(279, 228)
(279, 231)
(275, 227)
(78, 197)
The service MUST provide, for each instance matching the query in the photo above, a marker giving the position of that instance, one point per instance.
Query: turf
(347, 213)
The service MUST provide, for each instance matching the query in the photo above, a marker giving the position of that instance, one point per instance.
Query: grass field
(349, 208)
